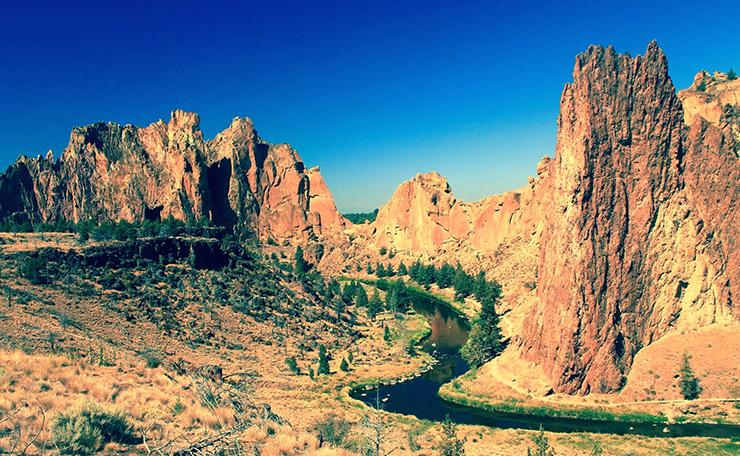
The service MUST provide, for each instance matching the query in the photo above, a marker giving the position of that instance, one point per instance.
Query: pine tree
(301, 266)
(402, 271)
(731, 75)
(344, 366)
(450, 444)
(293, 365)
(463, 284)
(379, 270)
(541, 445)
(323, 362)
(387, 334)
(485, 339)
(361, 297)
(445, 276)
(397, 298)
(375, 305)
(688, 382)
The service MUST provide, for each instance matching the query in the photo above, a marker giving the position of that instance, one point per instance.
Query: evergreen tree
(379, 270)
(301, 265)
(731, 75)
(415, 270)
(402, 271)
(450, 444)
(389, 272)
(463, 284)
(485, 339)
(375, 305)
(333, 289)
(323, 362)
(349, 291)
(387, 334)
(541, 445)
(397, 298)
(688, 382)
(361, 297)
(445, 276)
(293, 365)
(369, 268)
(344, 366)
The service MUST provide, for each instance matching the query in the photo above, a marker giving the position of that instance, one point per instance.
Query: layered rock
(113, 172)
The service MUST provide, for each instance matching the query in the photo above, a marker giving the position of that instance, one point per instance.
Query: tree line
(111, 230)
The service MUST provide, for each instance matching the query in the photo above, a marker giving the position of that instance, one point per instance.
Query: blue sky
(372, 92)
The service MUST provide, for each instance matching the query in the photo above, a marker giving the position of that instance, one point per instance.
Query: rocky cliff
(634, 220)
(638, 237)
(113, 172)
(424, 218)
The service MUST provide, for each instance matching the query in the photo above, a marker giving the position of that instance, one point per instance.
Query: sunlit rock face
(640, 230)
(113, 172)
(635, 219)
(424, 217)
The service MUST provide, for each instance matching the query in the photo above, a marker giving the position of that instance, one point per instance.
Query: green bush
(84, 428)
(153, 361)
(34, 270)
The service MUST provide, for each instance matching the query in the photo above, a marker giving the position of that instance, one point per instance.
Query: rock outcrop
(424, 218)
(635, 219)
(633, 246)
(113, 172)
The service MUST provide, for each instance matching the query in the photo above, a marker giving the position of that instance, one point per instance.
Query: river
(418, 397)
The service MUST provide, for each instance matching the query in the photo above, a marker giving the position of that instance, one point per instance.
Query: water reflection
(449, 332)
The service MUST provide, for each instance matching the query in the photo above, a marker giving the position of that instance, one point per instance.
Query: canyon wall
(635, 219)
(637, 239)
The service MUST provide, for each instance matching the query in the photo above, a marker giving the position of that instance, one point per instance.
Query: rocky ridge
(627, 234)
(114, 172)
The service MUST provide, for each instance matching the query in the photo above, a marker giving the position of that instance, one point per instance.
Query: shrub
(333, 429)
(87, 426)
(153, 361)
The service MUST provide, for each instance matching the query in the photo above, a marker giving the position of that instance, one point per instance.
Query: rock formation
(634, 219)
(113, 172)
(424, 218)
(633, 246)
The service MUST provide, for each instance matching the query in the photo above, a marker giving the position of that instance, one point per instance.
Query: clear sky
(372, 92)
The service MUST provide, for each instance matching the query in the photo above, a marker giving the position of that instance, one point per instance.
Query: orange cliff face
(113, 172)
(633, 247)
(634, 221)
(424, 218)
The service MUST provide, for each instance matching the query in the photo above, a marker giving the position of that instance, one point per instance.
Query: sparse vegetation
(450, 444)
(541, 445)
